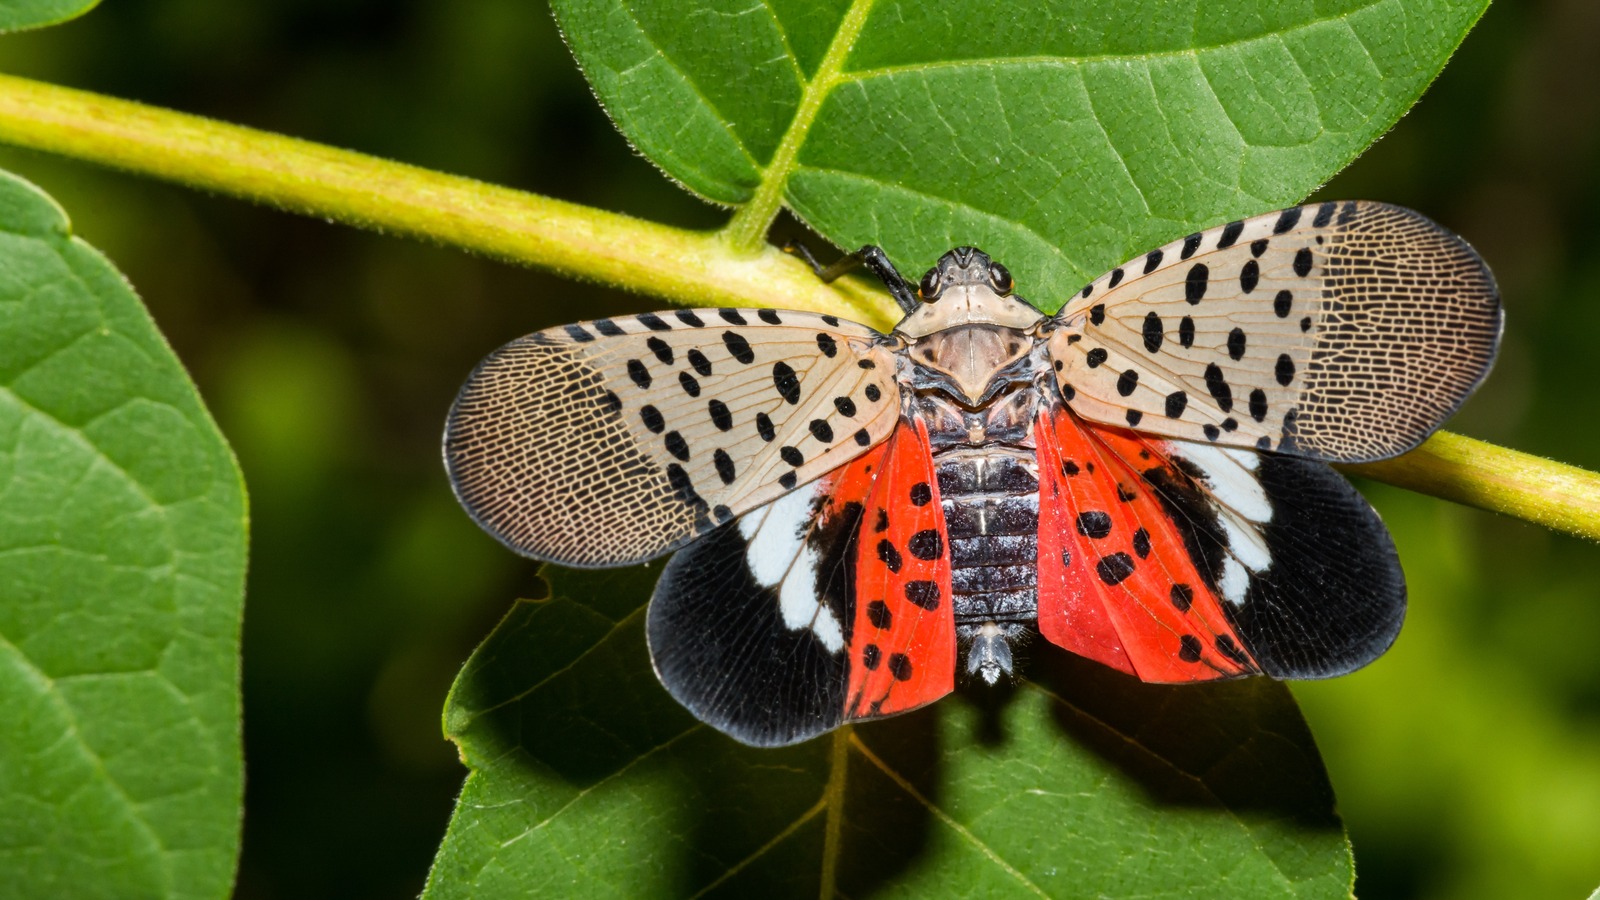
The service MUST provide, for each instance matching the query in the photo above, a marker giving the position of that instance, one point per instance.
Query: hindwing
(1340, 331)
(613, 441)
(1176, 561)
(819, 608)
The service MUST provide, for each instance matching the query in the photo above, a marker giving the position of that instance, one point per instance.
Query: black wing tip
(1335, 598)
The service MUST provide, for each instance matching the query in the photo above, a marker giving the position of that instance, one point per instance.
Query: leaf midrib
(746, 230)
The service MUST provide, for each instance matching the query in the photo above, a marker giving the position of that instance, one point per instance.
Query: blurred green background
(1467, 760)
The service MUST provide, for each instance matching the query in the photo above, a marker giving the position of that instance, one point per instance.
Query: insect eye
(929, 287)
(1000, 278)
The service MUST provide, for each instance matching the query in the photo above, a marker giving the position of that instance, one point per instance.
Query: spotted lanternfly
(866, 517)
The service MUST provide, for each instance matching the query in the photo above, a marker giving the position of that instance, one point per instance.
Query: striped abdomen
(991, 507)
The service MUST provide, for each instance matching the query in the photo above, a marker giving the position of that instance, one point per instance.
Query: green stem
(683, 266)
(694, 268)
(1474, 473)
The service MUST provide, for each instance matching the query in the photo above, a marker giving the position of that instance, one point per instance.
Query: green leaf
(19, 14)
(587, 779)
(122, 556)
(1063, 139)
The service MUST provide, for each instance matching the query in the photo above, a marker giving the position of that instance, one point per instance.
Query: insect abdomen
(991, 508)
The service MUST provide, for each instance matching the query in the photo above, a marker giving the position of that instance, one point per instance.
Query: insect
(864, 518)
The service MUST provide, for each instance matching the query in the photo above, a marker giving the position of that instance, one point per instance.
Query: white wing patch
(617, 440)
(1243, 511)
(1339, 331)
(779, 556)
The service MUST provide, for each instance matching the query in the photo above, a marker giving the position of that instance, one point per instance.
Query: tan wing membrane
(617, 440)
(1337, 331)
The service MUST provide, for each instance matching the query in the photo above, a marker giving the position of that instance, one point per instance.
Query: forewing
(610, 442)
(1190, 562)
(1340, 331)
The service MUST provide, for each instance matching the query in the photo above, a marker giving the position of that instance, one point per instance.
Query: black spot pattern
(1287, 220)
(1218, 386)
(1182, 597)
(845, 406)
(1141, 543)
(871, 657)
(784, 379)
(822, 431)
(1194, 287)
(608, 328)
(639, 374)
(577, 333)
(676, 445)
(1094, 524)
(1127, 381)
(1189, 648)
(1069, 468)
(1284, 370)
(720, 415)
(924, 594)
(689, 318)
(1236, 343)
(1116, 278)
(1190, 245)
(792, 456)
(921, 494)
(788, 480)
(1258, 404)
(724, 464)
(828, 346)
(873, 393)
(652, 418)
(1134, 417)
(900, 666)
(1151, 260)
(863, 438)
(699, 361)
(611, 403)
(653, 322)
(1096, 357)
(1302, 262)
(1305, 324)
(926, 544)
(769, 316)
(1249, 276)
(1177, 402)
(1282, 303)
(1154, 331)
(1186, 332)
(1258, 247)
(764, 427)
(689, 384)
(1212, 432)
(889, 555)
(1324, 214)
(660, 348)
(732, 317)
(1230, 234)
(879, 615)
(1097, 314)
(738, 347)
(1114, 569)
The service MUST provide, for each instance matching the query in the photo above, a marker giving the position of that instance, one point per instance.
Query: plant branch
(696, 268)
(693, 268)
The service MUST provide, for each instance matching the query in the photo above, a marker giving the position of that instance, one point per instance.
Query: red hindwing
(903, 643)
(1116, 581)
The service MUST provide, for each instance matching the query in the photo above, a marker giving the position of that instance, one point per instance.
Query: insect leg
(873, 259)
